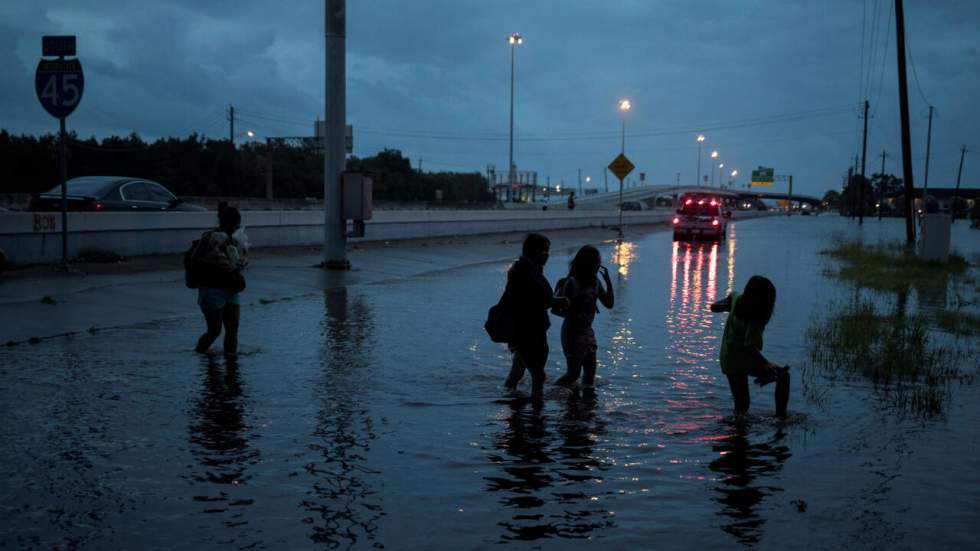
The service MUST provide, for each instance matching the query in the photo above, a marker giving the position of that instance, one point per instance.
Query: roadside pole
(621, 167)
(956, 192)
(903, 101)
(59, 84)
(335, 116)
(63, 182)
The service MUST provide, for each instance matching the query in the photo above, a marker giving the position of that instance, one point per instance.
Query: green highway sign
(762, 176)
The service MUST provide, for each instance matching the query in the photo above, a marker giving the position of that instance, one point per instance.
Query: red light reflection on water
(693, 340)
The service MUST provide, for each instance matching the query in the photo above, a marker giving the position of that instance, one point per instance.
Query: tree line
(201, 166)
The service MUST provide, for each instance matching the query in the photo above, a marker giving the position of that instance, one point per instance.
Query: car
(112, 193)
(700, 216)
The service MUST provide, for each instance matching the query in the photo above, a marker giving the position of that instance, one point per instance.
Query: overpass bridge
(652, 193)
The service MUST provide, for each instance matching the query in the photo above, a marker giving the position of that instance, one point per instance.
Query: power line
(908, 48)
(884, 56)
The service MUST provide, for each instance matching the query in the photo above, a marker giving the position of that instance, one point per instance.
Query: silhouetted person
(583, 290)
(571, 201)
(741, 346)
(221, 256)
(531, 297)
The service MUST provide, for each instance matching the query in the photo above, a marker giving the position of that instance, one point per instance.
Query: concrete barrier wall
(30, 238)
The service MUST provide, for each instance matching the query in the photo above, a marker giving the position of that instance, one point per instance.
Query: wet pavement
(373, 416)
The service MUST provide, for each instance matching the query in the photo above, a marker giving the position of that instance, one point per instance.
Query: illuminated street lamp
(250, 134)
(624, 107)
(700, 141)
(732, 178)
(514, 39)
(714, 155)
(720, 166)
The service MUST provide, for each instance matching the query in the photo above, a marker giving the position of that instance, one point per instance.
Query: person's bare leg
(572, 371)
(231, 317)
(213, 320)
(516, 371)
(589, 365)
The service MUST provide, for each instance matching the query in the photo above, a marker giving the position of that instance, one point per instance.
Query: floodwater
(374, 417)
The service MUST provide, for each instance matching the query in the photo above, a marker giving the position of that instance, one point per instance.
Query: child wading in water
(741, 346)
(583, 290)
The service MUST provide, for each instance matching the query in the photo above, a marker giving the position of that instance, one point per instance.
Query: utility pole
(231, 139)
(580, 182)
(925, 183)
(420, 165)
(864, 158)
(881, 182)
(903, 97)
(958, 176)
(334, 115)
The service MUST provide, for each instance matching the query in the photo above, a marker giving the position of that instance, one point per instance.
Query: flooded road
(374, 417)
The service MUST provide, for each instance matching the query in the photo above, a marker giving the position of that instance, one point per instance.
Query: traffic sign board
(58, 46)
(59, 84)
(621, 166)
(762, 176)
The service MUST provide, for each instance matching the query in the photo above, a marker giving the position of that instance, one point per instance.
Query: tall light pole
(733, 175)
(720, 166)
(335, 115)
(624, 107)
(714, 155)
(700, 141)
(514, 39)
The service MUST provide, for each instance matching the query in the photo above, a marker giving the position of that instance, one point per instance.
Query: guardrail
(32, 238)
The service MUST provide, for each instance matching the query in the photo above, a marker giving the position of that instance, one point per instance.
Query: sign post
(621, 167)
(59, 84)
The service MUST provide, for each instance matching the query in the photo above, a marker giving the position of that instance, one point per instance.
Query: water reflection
(343, 495)
(745, 469)
(548, 477)
(219, 434)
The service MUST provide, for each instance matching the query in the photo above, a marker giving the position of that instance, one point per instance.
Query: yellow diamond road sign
(621, 166)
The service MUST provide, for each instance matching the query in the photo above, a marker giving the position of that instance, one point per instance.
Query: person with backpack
(741, 345)
(215, 266)
(529, 297)
(583, 290)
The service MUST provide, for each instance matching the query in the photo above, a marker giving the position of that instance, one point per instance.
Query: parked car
(112, 193)
(635, 205)
(700, 216)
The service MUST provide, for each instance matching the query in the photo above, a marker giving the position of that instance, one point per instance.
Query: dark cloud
(442, 69)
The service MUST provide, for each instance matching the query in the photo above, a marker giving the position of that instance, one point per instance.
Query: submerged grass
(896, 353)
(958, 322)
(890, 267)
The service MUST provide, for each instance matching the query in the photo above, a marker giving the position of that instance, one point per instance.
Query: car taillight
(93, 205)
(713, 202)
(714, 222)
(689, 201)
(701, 202)
(677, 220)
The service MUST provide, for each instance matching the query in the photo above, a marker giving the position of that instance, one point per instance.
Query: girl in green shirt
(741, 345)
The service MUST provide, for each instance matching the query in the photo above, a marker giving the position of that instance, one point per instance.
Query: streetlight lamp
(720, 166)
(733, 175)
(514, 39)
(624, 107)
(700, 141)
(714, 155)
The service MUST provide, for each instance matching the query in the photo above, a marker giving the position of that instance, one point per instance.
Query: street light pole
(700, 141)
(514, 39)
(720, 166)
(335, 115)
(624, 107)
(714, 155)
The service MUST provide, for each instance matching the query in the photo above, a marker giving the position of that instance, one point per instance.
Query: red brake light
(98, 206)
(713, 202)
(714, 222)
(701, 202)
(689, 201)
(677, 220)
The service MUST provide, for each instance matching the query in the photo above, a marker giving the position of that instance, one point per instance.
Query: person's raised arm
(723, 305)
(606, 296)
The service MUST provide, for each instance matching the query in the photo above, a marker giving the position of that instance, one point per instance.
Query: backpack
(560, 311)
(500, 321)
(193, 276)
